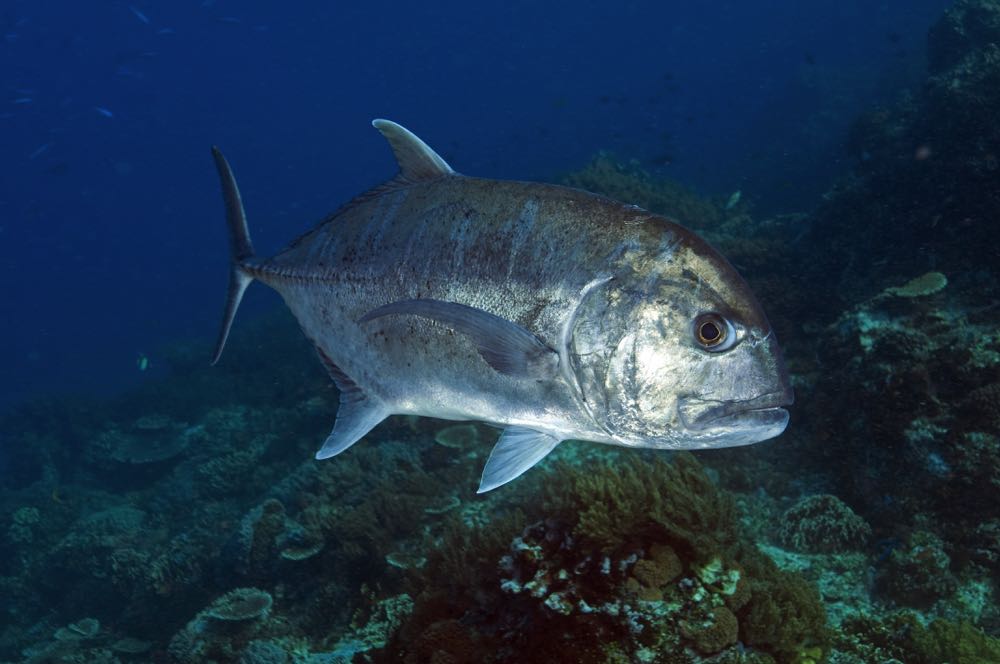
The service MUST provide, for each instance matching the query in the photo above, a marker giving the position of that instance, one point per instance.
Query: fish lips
(766, 412)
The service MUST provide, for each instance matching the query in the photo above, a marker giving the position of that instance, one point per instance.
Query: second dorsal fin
(417, 161)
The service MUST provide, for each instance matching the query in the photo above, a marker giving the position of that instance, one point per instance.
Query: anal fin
(358, 413)
(518, 449)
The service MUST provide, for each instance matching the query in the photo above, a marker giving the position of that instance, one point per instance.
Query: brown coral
(650, 575)
(983, 405)
(715, 636)
(445, 642)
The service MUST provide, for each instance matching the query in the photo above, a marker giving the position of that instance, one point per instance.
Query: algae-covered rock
(150, 439)
(240, 604)
(300, 552)
(458, 436)
(131, 646)
(263, 652)
(221, 629)
(24, 522)
(87, 628)
(925, 284)
(405, 560)
(374, 626)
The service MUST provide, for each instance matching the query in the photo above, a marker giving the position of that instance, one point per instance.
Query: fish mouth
(766, 411)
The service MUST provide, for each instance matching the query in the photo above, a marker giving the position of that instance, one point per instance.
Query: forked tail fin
(240, 248)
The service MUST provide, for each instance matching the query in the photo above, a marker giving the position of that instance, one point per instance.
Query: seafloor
(188, 522)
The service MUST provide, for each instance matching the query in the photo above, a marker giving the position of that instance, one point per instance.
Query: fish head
(696, 364)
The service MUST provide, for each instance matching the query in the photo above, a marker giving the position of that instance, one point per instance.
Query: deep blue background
(111, 229)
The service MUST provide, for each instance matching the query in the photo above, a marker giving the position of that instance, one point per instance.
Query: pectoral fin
(518, 449)
(506, 346)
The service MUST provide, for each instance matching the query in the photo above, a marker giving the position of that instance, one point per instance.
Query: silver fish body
(548, 311)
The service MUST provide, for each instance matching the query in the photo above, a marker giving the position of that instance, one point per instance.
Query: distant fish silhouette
(139, 15)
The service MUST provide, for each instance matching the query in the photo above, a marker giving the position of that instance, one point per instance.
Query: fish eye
(713, 332)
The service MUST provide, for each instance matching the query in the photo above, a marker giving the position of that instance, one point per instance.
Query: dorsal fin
(417, 161)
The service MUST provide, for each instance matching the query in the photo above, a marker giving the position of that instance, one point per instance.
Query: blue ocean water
(112, 234)
(843, 156)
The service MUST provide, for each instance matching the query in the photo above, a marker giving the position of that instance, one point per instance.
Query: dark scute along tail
(239, 246)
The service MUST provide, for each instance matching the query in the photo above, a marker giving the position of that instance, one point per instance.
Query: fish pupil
(710, 332)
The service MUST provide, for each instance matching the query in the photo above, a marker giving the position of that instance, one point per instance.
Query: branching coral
(643, 497)
(822, 524)
(630, 184)
(918, 574)
(784, 614)
(902, 637)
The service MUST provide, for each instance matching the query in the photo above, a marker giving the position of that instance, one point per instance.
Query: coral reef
(200, 529)
(902, 637)
(638, 555)
(224, 629)
(923, 372)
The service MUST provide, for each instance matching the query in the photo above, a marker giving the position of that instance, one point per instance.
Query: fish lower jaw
(743, 428)
(698, 414)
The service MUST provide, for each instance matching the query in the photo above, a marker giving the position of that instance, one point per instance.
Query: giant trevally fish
(551, 312)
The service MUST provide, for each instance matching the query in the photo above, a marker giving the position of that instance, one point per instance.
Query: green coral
(626, 549)
(23, 525)
(646, 497)
(902, 637)
(629, 183)
(919, 573)
(649, 499)
(822, 524)
(784, 615)
(958, 643)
